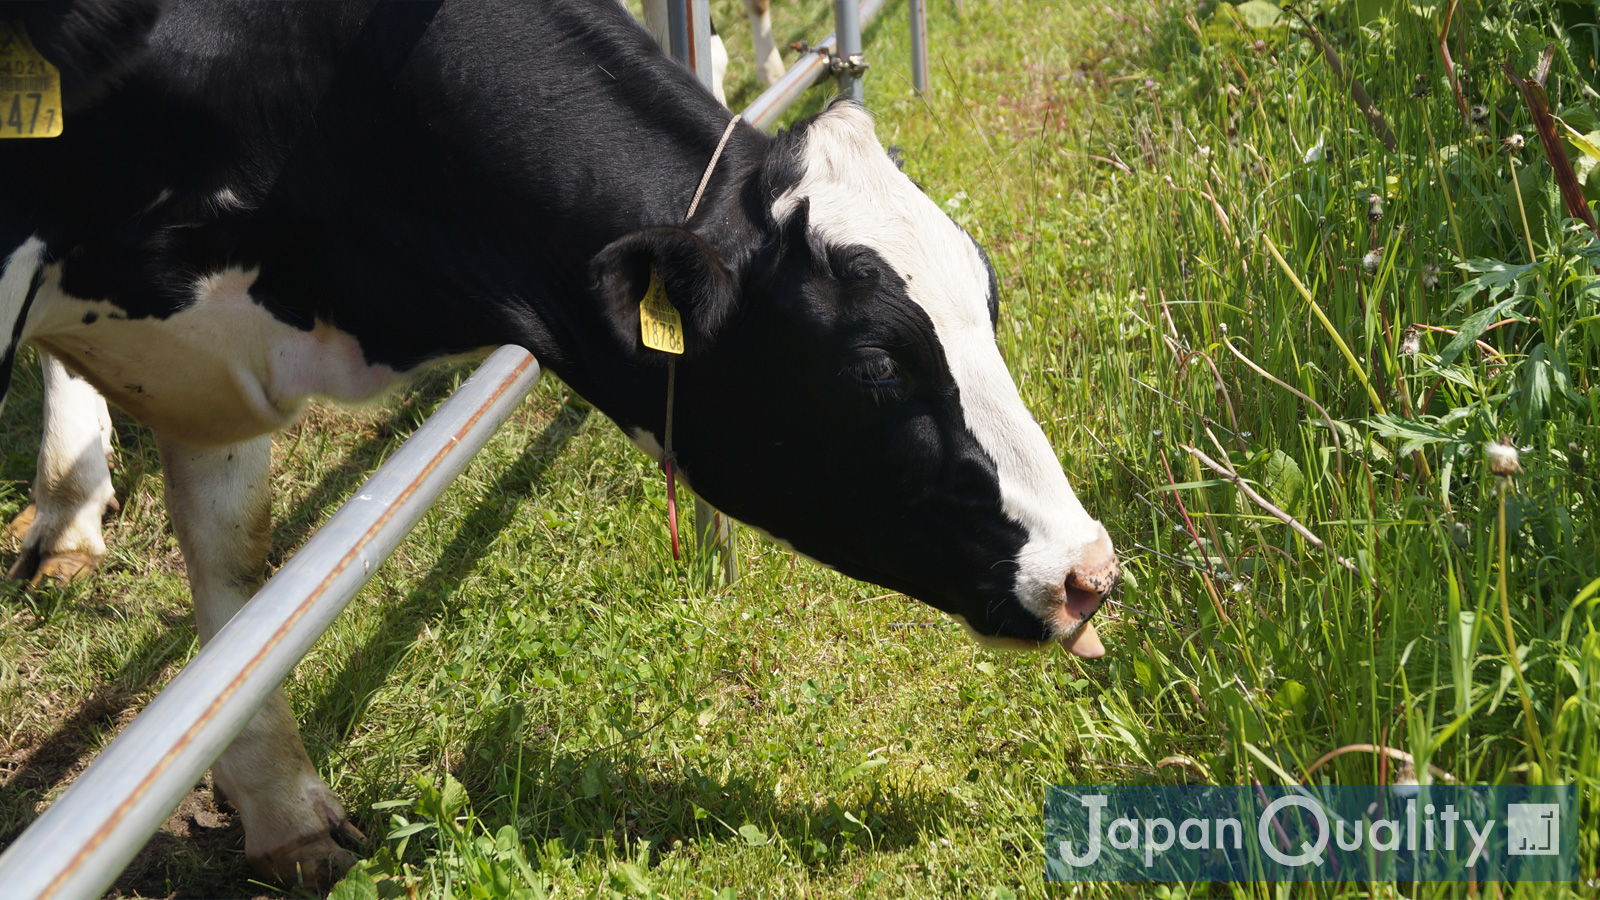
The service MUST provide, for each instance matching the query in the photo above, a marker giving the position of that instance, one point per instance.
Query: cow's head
(843, 391)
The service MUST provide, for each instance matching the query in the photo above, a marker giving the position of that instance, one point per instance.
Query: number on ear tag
(660, 326)
(30, 87)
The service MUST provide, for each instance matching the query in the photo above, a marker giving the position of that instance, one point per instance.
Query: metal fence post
(847, 25)
(919, 46)
(690, 24)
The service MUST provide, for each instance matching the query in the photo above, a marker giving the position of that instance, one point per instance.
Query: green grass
(530, 688)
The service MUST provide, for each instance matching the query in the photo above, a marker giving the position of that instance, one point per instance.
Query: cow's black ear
(697, 281)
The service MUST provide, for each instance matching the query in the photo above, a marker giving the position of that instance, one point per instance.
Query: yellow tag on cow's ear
(30, 87)
(660, 326)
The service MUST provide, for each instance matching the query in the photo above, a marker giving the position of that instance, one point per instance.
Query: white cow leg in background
(219, 500)
(768, 62)
(719, 69)
(60, 530)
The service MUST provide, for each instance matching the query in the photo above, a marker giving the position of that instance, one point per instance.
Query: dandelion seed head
(1372, 260)
(1411, 342)
(1502, 457)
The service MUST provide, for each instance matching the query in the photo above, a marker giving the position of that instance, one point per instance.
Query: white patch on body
(14, 281)
(221, 370)
(859, 197)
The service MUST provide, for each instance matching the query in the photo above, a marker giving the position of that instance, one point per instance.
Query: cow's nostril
(1097, 580)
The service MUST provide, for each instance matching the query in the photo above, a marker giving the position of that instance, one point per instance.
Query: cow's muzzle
(1080, 596)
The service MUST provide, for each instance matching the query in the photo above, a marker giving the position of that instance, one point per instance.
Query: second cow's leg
(220, 503)
(767, 61)
(60, 530)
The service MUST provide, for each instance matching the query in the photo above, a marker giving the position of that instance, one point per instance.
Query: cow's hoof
(19, 526)
(35, 567)
(314, 862)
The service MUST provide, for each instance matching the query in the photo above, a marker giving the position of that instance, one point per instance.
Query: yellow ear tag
(660, 326)
(30, 87)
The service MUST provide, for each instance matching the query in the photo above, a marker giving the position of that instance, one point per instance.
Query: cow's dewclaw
(19, 526)
(60, 567)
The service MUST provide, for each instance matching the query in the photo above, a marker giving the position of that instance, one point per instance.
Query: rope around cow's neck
(668, 457)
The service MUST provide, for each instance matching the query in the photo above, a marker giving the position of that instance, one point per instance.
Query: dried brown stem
(1267, 505)
(1211, 588)
(1545, 124)
(1388, 752)
(1101, 159)
(1487, 350)
(1337, 444)
(1358, 92)
(1449, 64)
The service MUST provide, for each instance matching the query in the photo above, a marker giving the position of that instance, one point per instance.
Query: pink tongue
(1087, 643)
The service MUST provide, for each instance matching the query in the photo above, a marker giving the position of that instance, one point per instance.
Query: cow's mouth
(1068, 625)
(1073, 624)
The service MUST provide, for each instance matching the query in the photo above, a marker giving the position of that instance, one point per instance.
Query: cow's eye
(874, 369)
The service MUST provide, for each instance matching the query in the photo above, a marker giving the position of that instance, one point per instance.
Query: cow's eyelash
(879, 375)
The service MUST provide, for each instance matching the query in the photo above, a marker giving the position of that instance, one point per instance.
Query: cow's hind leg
(72, 490)
(219, 500)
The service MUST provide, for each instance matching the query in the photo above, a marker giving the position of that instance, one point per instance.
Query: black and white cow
(253, 204)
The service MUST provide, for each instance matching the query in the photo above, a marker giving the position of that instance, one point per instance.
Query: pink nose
(1084, 588)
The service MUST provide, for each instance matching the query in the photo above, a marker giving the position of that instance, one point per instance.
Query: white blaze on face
(859, 197)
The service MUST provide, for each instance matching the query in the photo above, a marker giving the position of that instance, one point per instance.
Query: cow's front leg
(60, 530)
(219, 500)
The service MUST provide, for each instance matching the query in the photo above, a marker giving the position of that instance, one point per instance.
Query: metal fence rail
(813, 67)
(79, 845)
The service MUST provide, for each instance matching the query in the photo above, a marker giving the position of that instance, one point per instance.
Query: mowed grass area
(530, 700)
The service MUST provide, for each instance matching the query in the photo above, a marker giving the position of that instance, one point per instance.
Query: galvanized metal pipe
(919, 46)
(847, 25)
(713, 531)
(689, 25)
(81, 843)
(765, 111)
